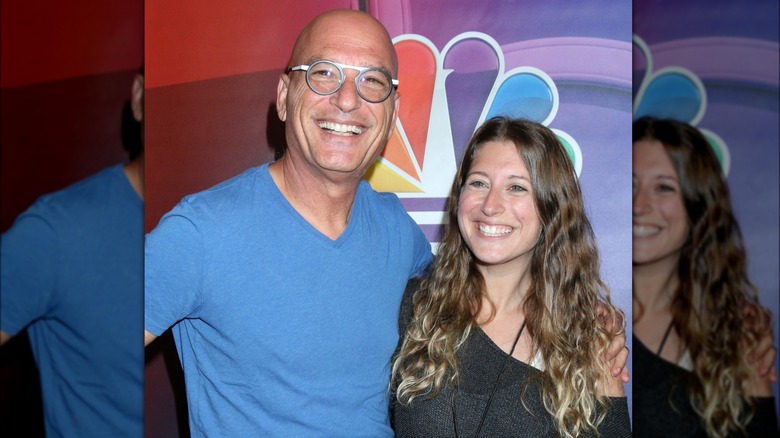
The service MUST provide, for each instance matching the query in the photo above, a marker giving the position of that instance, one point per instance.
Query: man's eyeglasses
(326, 77)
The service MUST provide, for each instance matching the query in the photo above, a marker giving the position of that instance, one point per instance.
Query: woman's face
(660, 221)
(496, 211)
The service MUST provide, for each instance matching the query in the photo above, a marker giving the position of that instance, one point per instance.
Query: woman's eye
(666, 188)
(516, 188)
(477, 184)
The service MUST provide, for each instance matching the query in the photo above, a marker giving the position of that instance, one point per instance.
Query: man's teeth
(641, 231)
(492, 230)
(340, 129)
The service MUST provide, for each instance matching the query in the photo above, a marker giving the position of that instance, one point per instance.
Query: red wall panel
(49, 40)
(204, 39)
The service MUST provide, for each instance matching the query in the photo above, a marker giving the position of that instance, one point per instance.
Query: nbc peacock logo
(672, 92)
(445, 96)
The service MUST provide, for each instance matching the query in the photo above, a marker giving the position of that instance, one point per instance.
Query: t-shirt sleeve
(28, 255)
(173, 267)
(422, 248)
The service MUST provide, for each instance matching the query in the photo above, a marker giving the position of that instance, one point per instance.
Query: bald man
(283, 284)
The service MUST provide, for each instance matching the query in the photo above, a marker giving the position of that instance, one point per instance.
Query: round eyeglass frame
(361, 71)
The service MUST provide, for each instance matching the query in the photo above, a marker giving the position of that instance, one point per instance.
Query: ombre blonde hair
(714, 288)
(560, 306)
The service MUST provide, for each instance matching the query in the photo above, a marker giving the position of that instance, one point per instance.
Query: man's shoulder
(387, 206)
(83, 197)
(387, 200)
(232, 198)
(84, 187)
(388, 209)
(246, 183)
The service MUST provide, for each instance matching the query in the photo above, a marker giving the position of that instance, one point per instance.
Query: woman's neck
(501, 317)
(655, 283)
(506, 289)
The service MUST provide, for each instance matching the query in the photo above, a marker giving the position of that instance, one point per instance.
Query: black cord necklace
(663, 341)
(495, 387)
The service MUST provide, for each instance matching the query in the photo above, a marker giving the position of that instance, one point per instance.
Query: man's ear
(281, 96)
(137, 97)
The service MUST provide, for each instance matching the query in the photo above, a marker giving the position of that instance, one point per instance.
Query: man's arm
(612, 386)
(28, 270)
(762, 373)
(762, 357)
(173, 265)
(5, 337)
(617, 355)
(148, 337)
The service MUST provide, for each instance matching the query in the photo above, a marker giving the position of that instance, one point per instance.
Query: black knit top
(509, 414)
(661, 405)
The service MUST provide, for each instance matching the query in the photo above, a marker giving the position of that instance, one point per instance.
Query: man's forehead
(358, 56)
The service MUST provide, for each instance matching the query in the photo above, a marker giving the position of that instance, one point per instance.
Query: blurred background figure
(703, 347)
(718, 69)
(75, 254)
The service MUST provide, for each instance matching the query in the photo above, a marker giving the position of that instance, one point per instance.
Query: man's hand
(762, 355)
(4, 337)
(148, 337)
(617, 355)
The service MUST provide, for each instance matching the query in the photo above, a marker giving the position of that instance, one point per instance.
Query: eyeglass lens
(325, 77)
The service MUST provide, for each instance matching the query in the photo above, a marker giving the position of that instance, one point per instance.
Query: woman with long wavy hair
(691, 295)
(503, 338)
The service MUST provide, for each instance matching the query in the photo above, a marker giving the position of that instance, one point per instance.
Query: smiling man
(283, 284)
